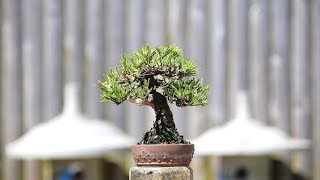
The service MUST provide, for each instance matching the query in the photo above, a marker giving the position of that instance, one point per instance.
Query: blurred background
(269, 48)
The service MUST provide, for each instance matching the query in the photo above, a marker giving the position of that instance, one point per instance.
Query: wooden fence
(271, 48)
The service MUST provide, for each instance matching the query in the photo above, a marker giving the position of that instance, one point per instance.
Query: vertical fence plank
(217, 59)
(115, 46)
(115, 31)
(279, 72)
(94, 56)
(280, 111)
(176, 30)
(1, 104)
(52, 65)
(31, 56)
(315, 16)
(73, 42)
(300, 69)
(134, 18)
(197, 51)
(237, 50)
(217, 72)
(11, 79)
(258, 29)
(280, 104)
(155, 23)
(176, 20)
(134, 39)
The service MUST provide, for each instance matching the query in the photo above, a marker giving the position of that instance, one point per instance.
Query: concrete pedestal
(161, 173)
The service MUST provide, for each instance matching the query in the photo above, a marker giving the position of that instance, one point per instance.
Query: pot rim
(163, 155)
(162, 145)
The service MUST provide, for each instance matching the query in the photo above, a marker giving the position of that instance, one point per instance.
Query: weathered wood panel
(11, 111)
(52, 59)
(258, 58)
(196, 50)
(94, 57)
(279, 65)
(237, 50)
(1, 104)
(73, 42)
(155, 23)
(31, 66)
(176, 22)
(300, 81)
(217, 72)
(315, 53)
(217, 61)
(279, 72)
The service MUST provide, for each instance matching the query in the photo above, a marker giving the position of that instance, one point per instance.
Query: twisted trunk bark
(163, 130)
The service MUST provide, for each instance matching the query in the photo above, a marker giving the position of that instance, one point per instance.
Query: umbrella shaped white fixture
(245, 136)
(69, 135)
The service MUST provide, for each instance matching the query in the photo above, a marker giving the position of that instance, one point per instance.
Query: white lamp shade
(69, 136)
(245, 136)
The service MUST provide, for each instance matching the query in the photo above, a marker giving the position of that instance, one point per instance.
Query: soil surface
(164, 130)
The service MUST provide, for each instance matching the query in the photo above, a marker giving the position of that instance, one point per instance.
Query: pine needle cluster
(163, 69)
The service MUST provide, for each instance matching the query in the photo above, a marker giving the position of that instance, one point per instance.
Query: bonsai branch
(140, 102)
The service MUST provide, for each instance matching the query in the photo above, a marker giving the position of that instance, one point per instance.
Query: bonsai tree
(151, 77)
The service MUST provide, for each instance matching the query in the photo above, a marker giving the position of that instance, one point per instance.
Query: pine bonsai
(152, 77)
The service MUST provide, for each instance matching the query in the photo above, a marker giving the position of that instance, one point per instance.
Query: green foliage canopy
(163, 69)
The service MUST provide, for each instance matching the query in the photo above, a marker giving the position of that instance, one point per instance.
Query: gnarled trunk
(163, 130)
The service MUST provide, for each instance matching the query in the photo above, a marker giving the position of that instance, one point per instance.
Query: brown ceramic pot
(163, 154)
